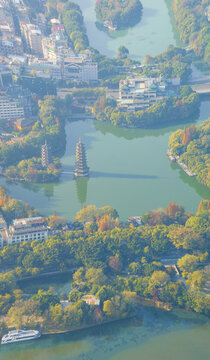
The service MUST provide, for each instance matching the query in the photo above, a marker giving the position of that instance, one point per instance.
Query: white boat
(20, 335)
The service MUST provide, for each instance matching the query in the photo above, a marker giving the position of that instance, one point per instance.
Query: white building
(10, 109)
(28, 229)
(91, 300)
(88, 72)
(80, 69)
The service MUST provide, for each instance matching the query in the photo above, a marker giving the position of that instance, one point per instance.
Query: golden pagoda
(81, 168)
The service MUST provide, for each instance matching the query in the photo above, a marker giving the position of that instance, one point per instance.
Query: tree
(106, 222)
(115, 263)
(188, 263)
(3, 328)
(172, 209)
(74, 296)
(108, 308)
(56, 315)
(196, 280)
(186, 238)
(159, 279)
(106, 292)
(123, 52)
(135, 268)
(79, 275)
(96, 276)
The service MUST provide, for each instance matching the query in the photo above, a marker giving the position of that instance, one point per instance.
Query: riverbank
(78, 329)
(176, 159)
(189, 149)
(118, 14)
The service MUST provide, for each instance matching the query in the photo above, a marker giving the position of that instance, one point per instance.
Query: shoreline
(77, 329)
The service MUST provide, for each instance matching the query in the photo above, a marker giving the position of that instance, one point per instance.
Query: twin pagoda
(81, 169)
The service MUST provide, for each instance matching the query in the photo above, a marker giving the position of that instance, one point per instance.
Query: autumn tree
(115, 263)
(172, 209)
(106, 222)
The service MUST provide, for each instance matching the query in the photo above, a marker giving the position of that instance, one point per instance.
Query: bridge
(201, 88)
(200, 85)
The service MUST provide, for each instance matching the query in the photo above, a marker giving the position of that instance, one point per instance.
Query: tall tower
(81, 168)
(45, 155)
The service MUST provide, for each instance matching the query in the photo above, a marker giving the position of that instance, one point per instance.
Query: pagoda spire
(81, 168)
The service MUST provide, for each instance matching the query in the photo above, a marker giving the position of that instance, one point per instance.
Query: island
(118, 14)
(190, 149)
(150, 108)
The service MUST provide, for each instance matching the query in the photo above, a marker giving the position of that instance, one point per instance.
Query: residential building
(5, 76)
(10, 43)
(88, 72)
(33, 37)
(10, 109)
(15, 103)
(28, 229)
(55, 47)
(44, 68)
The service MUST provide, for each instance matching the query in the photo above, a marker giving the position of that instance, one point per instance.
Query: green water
(57, 283)
(155, 335)
(129, 170)
(151, 35)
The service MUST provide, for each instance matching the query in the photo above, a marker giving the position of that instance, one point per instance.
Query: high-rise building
(81, 168)
(45, 155)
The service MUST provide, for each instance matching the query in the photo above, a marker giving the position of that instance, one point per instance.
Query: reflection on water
(191, 181)
(151, 35)
(129, 170)
(57, 283)
(98, 174)
(81, 188)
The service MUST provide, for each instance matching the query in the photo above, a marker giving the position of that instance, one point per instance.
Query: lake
(129, 170)
(154, 335)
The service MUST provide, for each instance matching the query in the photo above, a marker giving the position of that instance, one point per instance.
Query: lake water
(57, 283)
(155, 335)
(131, 172)
(129, 169)
(151, 36)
